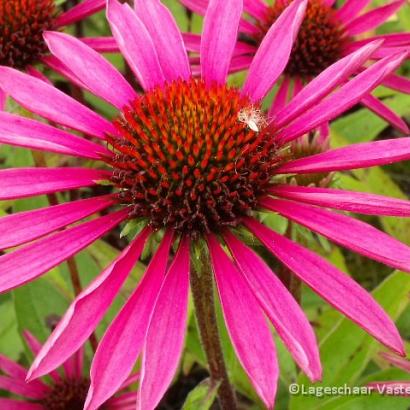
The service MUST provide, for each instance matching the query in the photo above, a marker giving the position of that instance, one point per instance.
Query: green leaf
(103, 253)
(10, 342)
(202, 397)
(363, 125)
(133, 227)
(274, 221)
(179, 13)
(35, 304)
(347, 350)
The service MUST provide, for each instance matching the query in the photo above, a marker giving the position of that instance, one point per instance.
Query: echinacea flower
(393, 387)
(66, 390)
(22, 24)
(327, 34)
(196, 160)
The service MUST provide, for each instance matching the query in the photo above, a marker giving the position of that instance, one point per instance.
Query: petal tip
(30, 377)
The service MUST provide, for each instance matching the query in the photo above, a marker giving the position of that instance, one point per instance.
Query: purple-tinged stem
(292, 283)
(203, 295)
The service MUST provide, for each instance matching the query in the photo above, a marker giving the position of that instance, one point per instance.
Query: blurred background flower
(66, 390)
(328, 32)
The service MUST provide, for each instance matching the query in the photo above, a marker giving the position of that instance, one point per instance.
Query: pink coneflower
(22, 24)
(62, 391)
(195, 160)
(393, 387)
(326, 35)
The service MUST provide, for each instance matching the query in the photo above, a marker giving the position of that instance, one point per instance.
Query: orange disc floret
(22, 23)
(192, 157)
(320, 39)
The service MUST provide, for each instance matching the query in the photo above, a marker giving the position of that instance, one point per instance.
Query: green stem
(203, 295)
(292, 283)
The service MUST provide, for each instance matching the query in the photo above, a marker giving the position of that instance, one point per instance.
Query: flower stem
(292, 283)
(202, 290)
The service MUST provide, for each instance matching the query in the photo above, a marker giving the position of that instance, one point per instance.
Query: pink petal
(79, 12)
(389, 40)
(165, 337)
(332, 285)
(37, 74)
(32, 342)
(350, 9)
(51, 103)
(255, 8)
(324, 135)
(26, 264)
(246, 27)
(9, 404)
(346, 231)
(3, 100)
(22, 388)
(383, 52)
(397, 361)
(324, 83)
(246, 325)
(135, 44)
(24, 182)
(124, 339)
(86, 311)
(344, 98)
(130, 380)
(11, 368)
(23, 227)
(359, 202)
(24, 132)
(200, 7)
(60, 68)
(242, 48)
(197, 6)
(168, 41)
(383, 111)
(101, 44)
(73, 366)
(398, 83)
(35, 346)
(355, 156)
(281, 97)
(286, 315)
(218, 39)
(192, 41)
(126, 401)
(273, 54)
(297, 86)
(16, 371)
(93, 70)
(240, 63)
(373, 18)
